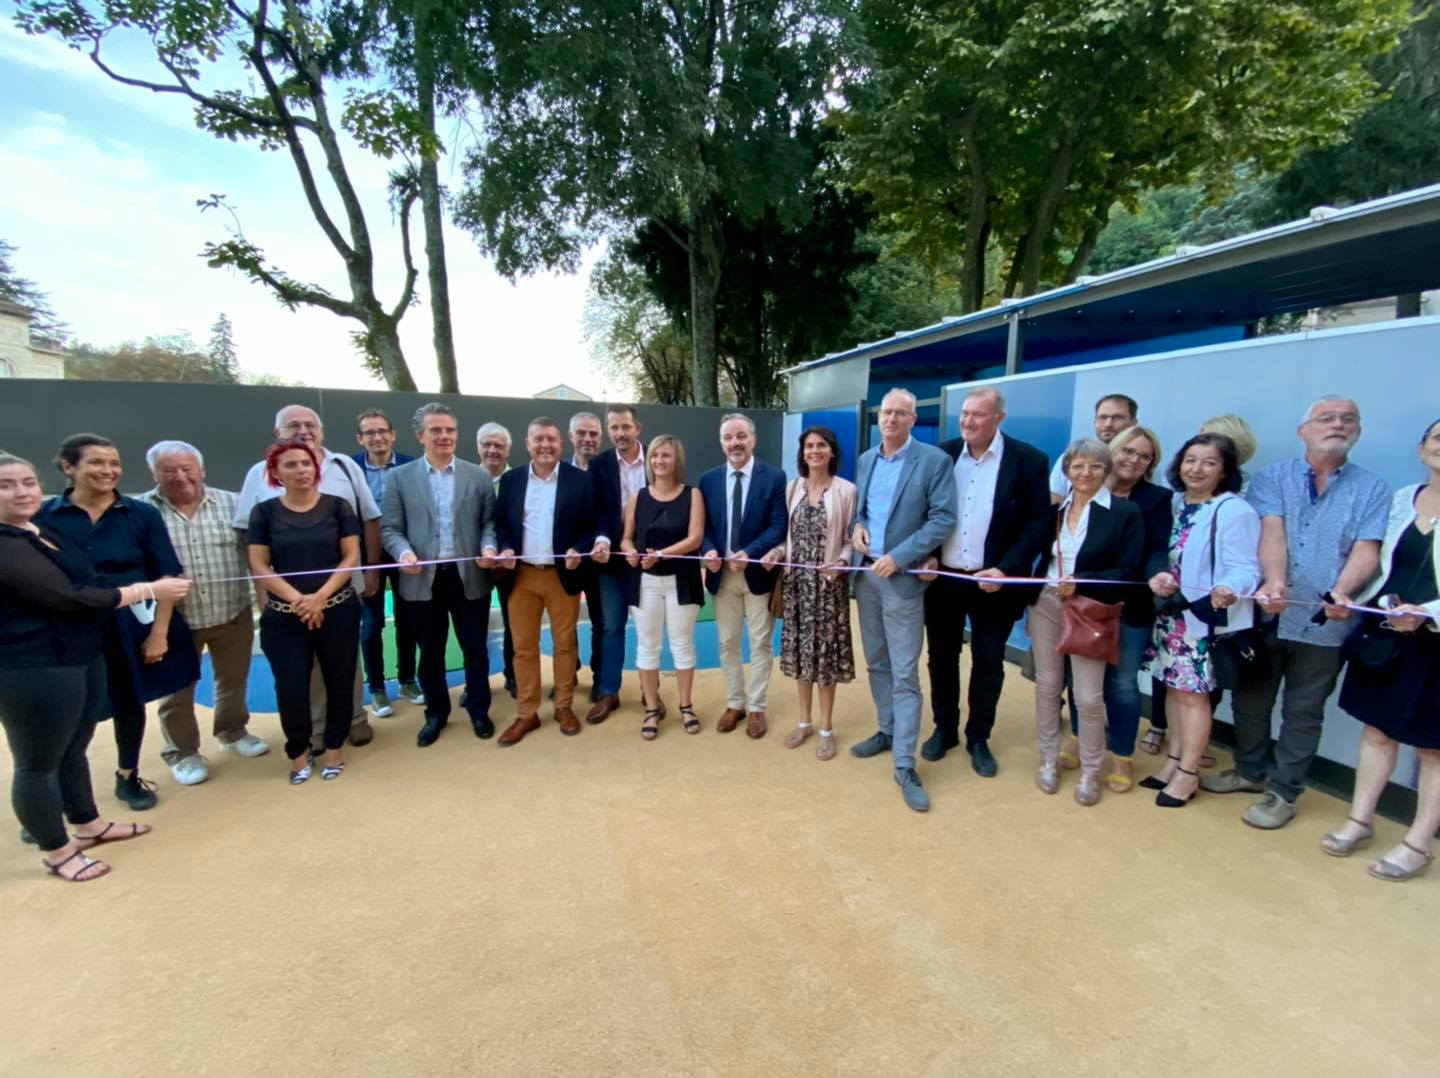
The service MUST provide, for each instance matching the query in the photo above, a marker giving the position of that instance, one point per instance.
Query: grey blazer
(407, 522)
(923, 513)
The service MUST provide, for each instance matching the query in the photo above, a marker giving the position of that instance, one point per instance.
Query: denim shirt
(880, 495)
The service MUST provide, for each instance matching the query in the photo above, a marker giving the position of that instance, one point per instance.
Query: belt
(953, 569)
(334, 600)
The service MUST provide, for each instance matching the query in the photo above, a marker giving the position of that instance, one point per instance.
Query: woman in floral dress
(815, 645)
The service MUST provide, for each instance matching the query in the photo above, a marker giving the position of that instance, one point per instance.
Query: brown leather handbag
(1089, 628)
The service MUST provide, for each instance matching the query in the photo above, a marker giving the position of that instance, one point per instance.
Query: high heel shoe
(1165, 801)
(1151, 782)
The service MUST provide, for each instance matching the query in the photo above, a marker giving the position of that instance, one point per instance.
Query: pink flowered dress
(1176, 657)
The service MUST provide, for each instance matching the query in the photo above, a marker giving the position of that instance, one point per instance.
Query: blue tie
(737, 509)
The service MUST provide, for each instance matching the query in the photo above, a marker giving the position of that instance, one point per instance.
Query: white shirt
(745, 472)
(537, 546)
(975, 499)
(632, 482)
(442, 490)
(1069, 543)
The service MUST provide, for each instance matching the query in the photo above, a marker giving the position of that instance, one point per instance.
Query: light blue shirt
(880, 496)
(375, 477)
(442, 490)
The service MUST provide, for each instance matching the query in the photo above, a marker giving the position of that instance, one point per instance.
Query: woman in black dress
(664, 519)
(1392, 681)
(313, 616)
(52, 675)
(149, 652)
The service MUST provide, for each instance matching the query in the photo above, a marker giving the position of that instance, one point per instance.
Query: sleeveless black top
(658, 525)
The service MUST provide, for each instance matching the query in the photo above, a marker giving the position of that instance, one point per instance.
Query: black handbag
(1374, 647)
(1240, 658)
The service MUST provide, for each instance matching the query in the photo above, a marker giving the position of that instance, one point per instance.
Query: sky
(98, 185)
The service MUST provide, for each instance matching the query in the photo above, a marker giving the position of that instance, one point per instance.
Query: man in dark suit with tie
(544, 520)
(744, 520)
(436, 508)
(1003, 494)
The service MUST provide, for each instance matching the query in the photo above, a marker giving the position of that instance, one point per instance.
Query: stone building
(22, 356)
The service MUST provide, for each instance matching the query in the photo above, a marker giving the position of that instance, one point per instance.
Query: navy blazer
(610, 518)
(762, 525)
(398, 457)
(575, 516)
(1022, 516)
(1114, 549)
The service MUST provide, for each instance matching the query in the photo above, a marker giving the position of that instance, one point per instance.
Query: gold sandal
(1121, 781)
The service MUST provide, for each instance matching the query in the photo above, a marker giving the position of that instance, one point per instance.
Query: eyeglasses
(1350, 419)
(1132, 454)
(376, 433)
(301, 424)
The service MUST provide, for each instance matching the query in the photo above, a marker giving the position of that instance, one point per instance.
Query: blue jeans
(372, 641)
(614, 610)
(1122, 692)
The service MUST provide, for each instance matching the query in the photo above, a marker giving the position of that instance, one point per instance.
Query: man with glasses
(1113, 413)
(378, 458)
(1322, 521)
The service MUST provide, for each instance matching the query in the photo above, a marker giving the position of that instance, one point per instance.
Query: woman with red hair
(305, 544)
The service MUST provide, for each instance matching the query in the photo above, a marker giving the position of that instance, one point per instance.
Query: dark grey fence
(232, 425)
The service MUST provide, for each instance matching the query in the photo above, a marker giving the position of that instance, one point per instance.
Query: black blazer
(1153, 501)
(1023, 516)
(610, 514)
(575, 515)
(1114, 549)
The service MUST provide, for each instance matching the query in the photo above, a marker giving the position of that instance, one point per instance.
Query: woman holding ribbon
(304, 544)
(815, 645)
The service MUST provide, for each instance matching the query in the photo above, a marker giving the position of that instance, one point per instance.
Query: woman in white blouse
(1096, 537)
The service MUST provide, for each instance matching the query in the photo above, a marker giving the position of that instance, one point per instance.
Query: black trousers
(292, 650)
(471, 617)
(49, 714)
(596, 613)
(372, 639)
(948, 603)
(504, 584)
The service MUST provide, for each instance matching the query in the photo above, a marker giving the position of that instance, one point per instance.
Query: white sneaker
(190, 770)
(247, 745)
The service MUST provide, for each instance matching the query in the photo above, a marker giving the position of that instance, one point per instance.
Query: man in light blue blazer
(435, 508)
(904, 510)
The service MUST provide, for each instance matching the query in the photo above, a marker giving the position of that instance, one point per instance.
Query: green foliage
(224, 359)
(45, 324)
(172, 358)
(632, 338)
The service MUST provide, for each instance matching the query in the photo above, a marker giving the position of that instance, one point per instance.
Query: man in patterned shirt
(198, 518)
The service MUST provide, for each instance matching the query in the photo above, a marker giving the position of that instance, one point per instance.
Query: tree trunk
(383, 340)
(1042, 218)
(431, 213)
(977, 221)
(704, 252)
(1012, 275)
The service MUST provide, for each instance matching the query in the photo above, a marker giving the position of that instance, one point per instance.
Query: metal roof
(1385, 247)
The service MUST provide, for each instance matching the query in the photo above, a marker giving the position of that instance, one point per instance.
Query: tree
(224, 361)
(633, 339)
(1025, 123)
(168, 358)
(45, 324)
(290, 56)
(604, 115)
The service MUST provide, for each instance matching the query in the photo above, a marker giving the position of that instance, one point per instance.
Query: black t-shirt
(300, 542)
(50, 601)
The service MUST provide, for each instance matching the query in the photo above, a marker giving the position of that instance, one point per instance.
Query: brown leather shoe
(755, 725)
(729, 720)
(518, 729)
(569, 724)
(601, 711)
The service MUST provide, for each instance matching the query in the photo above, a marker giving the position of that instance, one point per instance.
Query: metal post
(1015, 344)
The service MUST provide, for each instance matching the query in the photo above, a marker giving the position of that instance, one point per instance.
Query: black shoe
(484, 728)
(1153, 783)
(937, 745)
(135, 792)
(510, 687)
(983, 761)
(429, 733)
(464, 697)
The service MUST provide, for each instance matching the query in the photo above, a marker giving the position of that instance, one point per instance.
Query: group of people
(107, 602)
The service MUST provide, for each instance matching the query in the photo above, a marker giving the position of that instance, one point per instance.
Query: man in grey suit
(435, 508)
(904, 509)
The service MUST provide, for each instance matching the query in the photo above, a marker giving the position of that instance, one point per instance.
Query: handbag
(1240, 658)
(1374, 647)
(1089, 629)
(777, 598)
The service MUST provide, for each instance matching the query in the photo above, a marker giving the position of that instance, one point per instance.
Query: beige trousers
(1088, 675)
(230, 646)
(736, 609)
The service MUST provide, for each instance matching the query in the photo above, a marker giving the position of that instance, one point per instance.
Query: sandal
(826, 749)
(650, 727)
(1070, 754)
(689, 721)
(1120, 781)
(1153, 782)
(297, 777)
(1153, 740)
(1389, 870)
(1165, 801)
(796, 737)
(332, 771)
(79, 875)
(1336, 846)
(91, 841)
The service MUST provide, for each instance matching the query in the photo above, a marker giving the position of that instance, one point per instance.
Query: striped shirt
(210, 551)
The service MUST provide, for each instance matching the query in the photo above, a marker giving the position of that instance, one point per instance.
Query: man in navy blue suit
(545, 517)
(744, 520)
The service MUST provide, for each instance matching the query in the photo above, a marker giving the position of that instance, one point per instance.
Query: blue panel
(1037, 410)
(845, 422)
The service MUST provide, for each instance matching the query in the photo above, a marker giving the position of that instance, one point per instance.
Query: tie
(737, 509)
